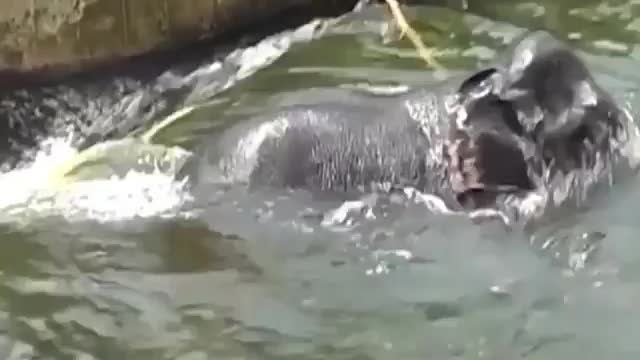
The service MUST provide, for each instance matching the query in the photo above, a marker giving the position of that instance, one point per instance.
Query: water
(119, 264)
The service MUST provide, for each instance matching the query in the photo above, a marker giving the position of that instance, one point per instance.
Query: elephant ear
(477, 83)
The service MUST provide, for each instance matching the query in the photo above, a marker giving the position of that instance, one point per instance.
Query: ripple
(125, 267)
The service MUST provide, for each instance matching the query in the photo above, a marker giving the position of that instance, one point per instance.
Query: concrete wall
(67, 35)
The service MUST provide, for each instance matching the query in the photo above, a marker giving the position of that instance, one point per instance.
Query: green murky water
(116, 268)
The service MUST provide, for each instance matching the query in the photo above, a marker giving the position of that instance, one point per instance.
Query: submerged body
(335, 147)
(537, 121)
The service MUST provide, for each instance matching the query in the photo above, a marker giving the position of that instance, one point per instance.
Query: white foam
(28, 192)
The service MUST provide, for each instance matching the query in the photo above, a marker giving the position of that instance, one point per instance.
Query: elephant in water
(535, 122)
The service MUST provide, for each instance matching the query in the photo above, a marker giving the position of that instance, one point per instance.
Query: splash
(30, 194)
(122, 179)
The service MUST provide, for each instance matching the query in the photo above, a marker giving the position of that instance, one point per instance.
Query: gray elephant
(535, 120)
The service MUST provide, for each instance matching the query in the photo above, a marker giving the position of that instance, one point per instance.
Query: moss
(72, 34)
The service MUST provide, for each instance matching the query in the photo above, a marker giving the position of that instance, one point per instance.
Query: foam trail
(30, 194)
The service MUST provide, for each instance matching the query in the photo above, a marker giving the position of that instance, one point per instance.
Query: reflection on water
(117, 268)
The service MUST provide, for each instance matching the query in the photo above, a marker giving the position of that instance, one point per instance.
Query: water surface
(124, 268)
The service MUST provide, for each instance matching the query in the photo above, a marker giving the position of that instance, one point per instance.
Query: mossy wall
(65, 35)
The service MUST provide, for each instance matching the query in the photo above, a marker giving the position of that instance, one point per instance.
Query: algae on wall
(69, 34)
